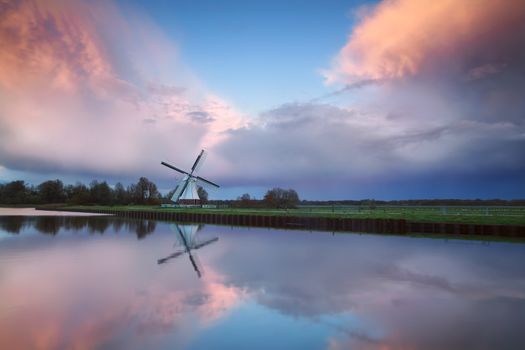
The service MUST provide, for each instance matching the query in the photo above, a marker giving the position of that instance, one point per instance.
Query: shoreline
(317, 223)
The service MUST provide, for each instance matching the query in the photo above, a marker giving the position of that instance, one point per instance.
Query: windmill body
(190, 193)
(186, 193)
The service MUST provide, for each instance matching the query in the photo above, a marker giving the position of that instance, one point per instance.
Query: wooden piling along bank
(389, 226)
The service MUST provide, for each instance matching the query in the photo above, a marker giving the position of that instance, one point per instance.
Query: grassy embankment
(467, 215)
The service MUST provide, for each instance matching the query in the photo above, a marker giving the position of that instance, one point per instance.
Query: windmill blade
(176, 228)
(190, 233)
(180, 188)
(169, 257)
(174, 168)
(185, 234)
(188, 230)
(208, 187)
(183, 238)
(205, 243)
(183, 187)
(196, 265)
(207, 181)
(198, 161)
(201, 161)
(180, 237)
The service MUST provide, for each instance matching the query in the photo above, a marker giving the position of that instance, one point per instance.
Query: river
(100, 282)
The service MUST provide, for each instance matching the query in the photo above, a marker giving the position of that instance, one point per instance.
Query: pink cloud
(400, 38)
(54, 45)
(86, 89)
(71, 311)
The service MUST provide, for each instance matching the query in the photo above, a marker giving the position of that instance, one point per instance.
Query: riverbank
(450, 214)
(307, 220)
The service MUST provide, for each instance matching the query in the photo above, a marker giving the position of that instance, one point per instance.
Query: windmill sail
(198, 162)
(186, 190)
(180, 187)
(206, 182)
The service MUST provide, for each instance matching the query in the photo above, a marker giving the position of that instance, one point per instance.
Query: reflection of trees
(12, 224)
(51, 225)
(98, 224)
(75, 223)
(142, 227)
(117, 225)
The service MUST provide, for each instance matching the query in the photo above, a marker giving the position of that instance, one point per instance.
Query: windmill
(186, 190)
(187, 240)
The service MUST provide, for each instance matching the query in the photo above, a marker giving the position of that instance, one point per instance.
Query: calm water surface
(109, 283)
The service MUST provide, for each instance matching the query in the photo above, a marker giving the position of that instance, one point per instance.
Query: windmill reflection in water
(187, 242)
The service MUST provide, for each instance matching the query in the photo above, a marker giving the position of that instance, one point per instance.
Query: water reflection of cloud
(486, 324)
(98, 293)
(390, 281)
(345, 291)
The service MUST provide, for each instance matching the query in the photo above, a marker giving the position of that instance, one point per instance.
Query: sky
(400, 99)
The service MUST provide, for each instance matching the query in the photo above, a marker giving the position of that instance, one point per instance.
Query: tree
(281, 199)
(120, 194)
(370, 204)
(14, 192)
(203, 194)
(78, 194)
(167, 198)
(100, 193)
(245, 197)
(52, 191)
(144, 192)
(246, 201)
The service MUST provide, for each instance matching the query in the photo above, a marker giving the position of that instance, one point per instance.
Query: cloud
(77, 92)
(483, 71)
(468, 54)
(422, 91)
(348, 88)
(368, 300)
(382, 299)
(429, 91)
(200, 117)
(123, 313)
(318, 144)
(400, 38)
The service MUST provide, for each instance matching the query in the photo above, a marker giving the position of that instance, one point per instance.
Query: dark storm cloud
(320, 143)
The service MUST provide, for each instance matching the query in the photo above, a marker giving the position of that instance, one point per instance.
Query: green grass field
(471, 215)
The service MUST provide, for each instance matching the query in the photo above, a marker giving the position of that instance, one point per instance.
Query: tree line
(97, 192)
(276, 198)
(421, 202)
(279, 198)
(145, 192)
